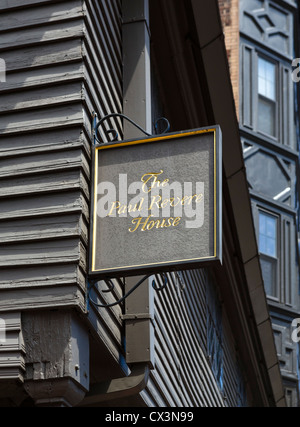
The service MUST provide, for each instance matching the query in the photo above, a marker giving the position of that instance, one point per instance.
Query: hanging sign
(157, 204)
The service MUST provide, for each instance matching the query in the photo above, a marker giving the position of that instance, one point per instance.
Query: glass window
(267, 79)
(268, 234)
(268, 244)
(269, 269)
(267, 97)
(266, 116)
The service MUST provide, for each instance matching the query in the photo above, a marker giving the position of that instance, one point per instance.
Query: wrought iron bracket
(111, 287)
(96, 127)
(115, 135)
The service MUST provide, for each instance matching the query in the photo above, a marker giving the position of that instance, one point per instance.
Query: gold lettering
(199, 198)
(170, 222)
(176, 222)
(165, 203)
(147, 178)
(141, 204)
(155, 201)
(135, 208)
(138, 222)
(114, 206)
(167, 224)
(159, 224)
(189, 199)
(122, 210)
(172, 202)
(184, 200)
(149, 225)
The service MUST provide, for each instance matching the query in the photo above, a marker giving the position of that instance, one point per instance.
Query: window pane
(262, 223)
(271, 247)
(269, 275)
(262, 244)
(271, 226)
(266, 116)
(267, 79)
(268, 234)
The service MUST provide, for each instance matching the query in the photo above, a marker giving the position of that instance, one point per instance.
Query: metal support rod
(112, 286)
(122, 116)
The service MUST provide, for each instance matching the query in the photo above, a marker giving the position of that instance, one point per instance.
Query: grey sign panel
(157, 204)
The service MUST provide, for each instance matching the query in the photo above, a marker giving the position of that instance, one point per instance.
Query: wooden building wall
(183, 376)
(63, 62)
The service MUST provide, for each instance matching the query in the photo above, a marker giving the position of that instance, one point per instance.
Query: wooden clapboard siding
(43, 175)
(182, 375)
(64, 61)
(102, 93)
(102, 50)
(181, 372)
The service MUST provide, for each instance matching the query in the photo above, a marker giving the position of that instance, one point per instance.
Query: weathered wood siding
(63, 62)
(183, 376)
(103, 93)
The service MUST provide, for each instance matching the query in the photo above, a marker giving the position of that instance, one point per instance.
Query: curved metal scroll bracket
(158, 288)
(115, 134)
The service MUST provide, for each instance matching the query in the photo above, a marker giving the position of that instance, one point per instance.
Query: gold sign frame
(172, 264)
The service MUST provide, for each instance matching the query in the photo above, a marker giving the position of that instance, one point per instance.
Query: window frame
(274, 238)
(284, 114)
(257, 96)
(273, 260)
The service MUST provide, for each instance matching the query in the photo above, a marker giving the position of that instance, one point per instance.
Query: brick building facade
(229, 12)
